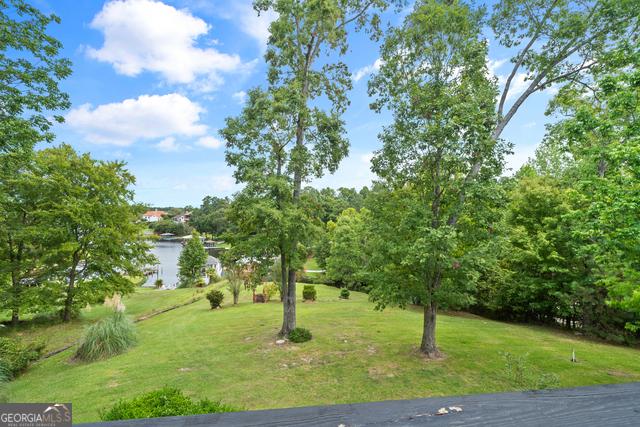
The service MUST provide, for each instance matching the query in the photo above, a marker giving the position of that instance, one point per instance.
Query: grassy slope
(143, 301)
(357, 354)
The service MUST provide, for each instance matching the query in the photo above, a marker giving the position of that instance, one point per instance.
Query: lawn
(357, 354)
(142, 302)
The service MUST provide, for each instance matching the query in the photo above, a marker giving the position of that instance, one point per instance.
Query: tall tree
(301, 138)
(94, 237)
(600, 131)
(30, 70)
(434, 79)
(347, 260)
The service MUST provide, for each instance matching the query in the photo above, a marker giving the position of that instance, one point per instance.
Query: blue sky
(153, 81)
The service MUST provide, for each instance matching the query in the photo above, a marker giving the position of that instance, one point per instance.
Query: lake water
(167, 254)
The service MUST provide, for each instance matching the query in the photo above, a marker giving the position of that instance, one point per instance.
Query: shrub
(15, 357)
(299, 335)
(269, 290)
(106, 338)
(214, 277)
(158, 283)
(309, 293)
(201, 283)
(215, 298)
(344, 293)
(165, 402)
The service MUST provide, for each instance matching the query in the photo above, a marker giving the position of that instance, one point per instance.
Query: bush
(215, 298)
(309, 293)
(15, 357)
(158, 283)
(108, 337)
(344, 293)
(269, 290)
(214, 277)
(165, 402)
(299, 335)
(201, 283)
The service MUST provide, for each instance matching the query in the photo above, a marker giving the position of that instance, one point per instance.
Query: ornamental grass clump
(108, 337)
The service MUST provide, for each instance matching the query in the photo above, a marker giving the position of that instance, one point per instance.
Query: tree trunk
(428, 345)
(68, 303)
(235, 298)
(15, 309)
(283, 275)
(289, 305)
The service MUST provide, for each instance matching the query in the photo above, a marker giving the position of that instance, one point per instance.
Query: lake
(167, 254)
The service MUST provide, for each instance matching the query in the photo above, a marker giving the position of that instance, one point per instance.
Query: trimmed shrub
(15, 357)
(166, 402)
(215, 298)
(309, 293)
(299, 335)
(270, 290)
(344, 293)
(108, 337)
(158, 283)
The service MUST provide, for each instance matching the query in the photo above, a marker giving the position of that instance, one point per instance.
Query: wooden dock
(603, 405)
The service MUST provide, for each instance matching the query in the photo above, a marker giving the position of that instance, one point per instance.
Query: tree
(210, 217)
(192, 261)
(94, 238)
(170, 226)
(284, 137)
(599, 132)
(435, 81)
(347, 261)
(235, 280)
(30, 70)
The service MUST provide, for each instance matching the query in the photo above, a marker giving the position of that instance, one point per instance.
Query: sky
(154, 80)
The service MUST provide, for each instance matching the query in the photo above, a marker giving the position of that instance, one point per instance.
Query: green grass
(106, 338)
(142, 302)
(356, 354)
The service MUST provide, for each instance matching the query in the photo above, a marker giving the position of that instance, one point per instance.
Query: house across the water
(153, 216)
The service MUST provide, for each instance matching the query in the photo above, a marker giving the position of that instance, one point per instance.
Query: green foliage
(270, 290)
(299, 335)
(106, 338)
(309, 293)
(93, 239)
(170, 226)
(158, 283)
(16, 357)
(347, 260)
(344, 293)
(213, 275)
(210, 217)
(165, 402)
(235, 281)
(523, 377)
(30, 72)
(192, 261)
(215, 298)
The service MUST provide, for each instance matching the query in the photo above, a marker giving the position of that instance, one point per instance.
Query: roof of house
(154, 213)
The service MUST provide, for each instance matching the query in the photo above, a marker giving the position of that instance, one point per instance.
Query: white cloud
(240, 97)
(366, 70)
(256, 27)
(168, 144)
(209, 142)
(146, 117)
(148, 35)
(366, 158)
(493, 65)
(529, 125)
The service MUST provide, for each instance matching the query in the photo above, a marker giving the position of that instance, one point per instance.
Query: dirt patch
(112, 384)
(621, 374)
